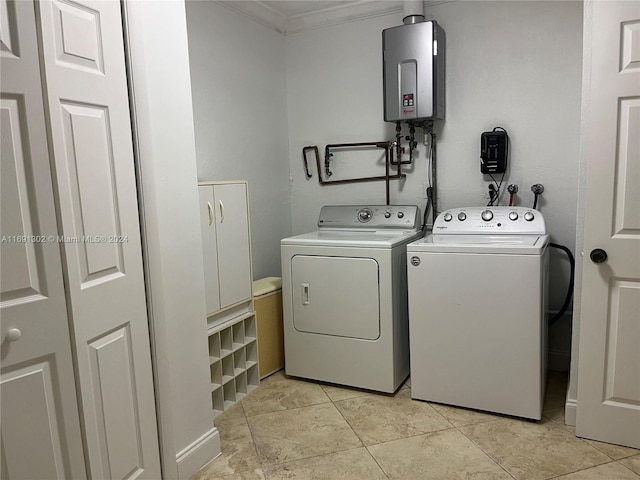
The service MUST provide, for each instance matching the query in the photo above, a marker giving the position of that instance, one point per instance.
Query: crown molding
(343, 14)
(260, 12)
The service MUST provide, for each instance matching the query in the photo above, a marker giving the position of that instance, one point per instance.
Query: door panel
(111, 361)
(232, 227)
(90, 172)
(40, 427)
(336, 296)
(30, 427)
(209, 248)
(608, 406)
(90, 126)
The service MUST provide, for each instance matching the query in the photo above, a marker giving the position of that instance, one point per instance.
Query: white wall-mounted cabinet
(226, 247)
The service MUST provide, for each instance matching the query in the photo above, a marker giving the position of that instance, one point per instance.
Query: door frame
(170, 231)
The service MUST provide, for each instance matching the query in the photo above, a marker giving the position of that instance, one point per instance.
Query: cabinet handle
(210, 208)
(305, 294)
(221, 211)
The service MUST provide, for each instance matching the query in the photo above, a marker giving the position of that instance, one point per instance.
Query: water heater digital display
(413, 72)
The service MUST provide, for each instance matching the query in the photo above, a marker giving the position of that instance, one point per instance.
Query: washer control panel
(372, 217)
(476, 220)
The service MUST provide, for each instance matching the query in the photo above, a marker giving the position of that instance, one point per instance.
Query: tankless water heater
(413, 69)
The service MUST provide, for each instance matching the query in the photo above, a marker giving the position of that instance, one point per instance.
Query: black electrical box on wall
(493, 152)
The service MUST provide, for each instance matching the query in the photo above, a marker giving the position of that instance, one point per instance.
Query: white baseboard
(198, 454)
(570, 409)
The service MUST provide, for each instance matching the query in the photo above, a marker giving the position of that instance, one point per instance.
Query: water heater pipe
(413, 11)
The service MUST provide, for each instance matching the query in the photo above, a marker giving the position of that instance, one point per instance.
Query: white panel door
(83, 52)
(40, 427)
(209, 248)
(232, 227)
(609, 355)
(336, 296)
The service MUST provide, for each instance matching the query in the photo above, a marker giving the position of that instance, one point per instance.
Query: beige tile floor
(295, 429)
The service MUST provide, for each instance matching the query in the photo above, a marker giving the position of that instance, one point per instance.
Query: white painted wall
(239, 104)
(163, 121)
(524, 75)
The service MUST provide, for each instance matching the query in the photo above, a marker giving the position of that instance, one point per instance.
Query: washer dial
(487, 215)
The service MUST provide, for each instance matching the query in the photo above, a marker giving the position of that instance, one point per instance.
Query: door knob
(13, 334)
(598, 255)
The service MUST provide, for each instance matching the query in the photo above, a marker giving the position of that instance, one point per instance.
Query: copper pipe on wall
(386, 177)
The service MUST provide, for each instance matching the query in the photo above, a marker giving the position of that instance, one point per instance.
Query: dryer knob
(529, 216)
(365, 215)
(387, 214)
(487, 215)
(400, 214)
(462, 216)
(448, 217)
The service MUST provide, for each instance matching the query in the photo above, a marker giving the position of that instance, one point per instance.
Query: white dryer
(345, 299)
(477, 303)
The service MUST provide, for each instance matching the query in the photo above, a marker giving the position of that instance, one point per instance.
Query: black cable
(567, 298)
(425, 215)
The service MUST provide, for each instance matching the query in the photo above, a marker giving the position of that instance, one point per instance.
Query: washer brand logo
(415, 261)
(442, 227)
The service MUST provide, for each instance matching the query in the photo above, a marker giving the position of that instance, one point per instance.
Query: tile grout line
(483, 451)
(253, 441)
(581, 470)
(366, 447)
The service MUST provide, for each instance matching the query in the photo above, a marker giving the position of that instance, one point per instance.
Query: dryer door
(336, 296)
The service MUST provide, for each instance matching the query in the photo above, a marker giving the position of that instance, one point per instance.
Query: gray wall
(239, 108)
(524, 75)
(260, 97)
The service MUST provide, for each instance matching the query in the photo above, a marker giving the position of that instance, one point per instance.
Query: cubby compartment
(233, 357)
(253, 378)
(250, 328)
(215, 370)
(252, 354)
(229, 390)
(240, 361)
(238, 336)
(241, 385)
(226, 342)
(217, 401)
(227, 369)
(214, 347)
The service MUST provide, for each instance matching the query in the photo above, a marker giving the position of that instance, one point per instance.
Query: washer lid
(495, 244)
(337, 238)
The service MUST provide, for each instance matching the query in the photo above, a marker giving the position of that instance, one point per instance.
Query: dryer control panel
(497, 220)
(370, 217)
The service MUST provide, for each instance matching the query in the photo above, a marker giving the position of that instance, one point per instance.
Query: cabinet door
(232, 227)
(40, 427)
(209, 248)
(83, 58)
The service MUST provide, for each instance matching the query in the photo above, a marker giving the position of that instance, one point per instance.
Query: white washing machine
(477, 303)
(345, 299)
